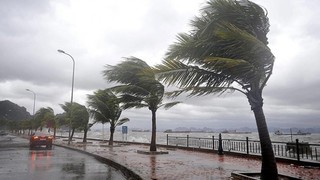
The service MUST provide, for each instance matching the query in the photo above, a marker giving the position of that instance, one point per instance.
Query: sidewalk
(182, 164)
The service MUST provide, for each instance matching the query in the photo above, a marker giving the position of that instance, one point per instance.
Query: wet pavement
(18, 162)
(181, 164)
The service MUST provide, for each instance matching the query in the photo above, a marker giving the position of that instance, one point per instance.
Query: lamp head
(60, 51)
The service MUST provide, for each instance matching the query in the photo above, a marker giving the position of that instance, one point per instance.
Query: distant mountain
(12, 111)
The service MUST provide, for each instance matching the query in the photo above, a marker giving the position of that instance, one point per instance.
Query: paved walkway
(182, 164)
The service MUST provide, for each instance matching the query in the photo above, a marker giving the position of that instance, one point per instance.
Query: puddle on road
(78, 169)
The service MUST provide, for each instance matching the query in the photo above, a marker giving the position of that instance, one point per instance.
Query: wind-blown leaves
(138, 88)
(169, 105)
(122, 121)
(42, 117)
(227, 45)
(226, 51)
(105, 108)
(129, 71)
(77, 114)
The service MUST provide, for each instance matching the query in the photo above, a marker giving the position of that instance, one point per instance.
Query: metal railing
(294, 150)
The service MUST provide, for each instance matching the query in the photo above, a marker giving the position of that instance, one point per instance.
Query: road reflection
(18, 161)
(40, 160)
(153, 162)
(78, 168)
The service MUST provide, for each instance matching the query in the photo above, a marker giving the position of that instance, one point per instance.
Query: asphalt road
(18, 162)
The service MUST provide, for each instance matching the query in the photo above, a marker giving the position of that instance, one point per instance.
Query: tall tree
(3, 123)
(26, 125)
(85, 131)
(76, 115)
(226, 50)
(60, 120)
(42, 117)
(104, 107)
(138, 88)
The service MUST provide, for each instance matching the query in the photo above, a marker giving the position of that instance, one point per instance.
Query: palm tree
(104, 107)
(60, 120)
(226, 50)
(85, 131)
(26, 125)
(138, 88)
(77, 114)
(42, 117)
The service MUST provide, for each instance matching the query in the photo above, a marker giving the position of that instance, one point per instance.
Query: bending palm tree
(227, 50)
(43, 116)
(104, 107)
(79, 117)
(138, 88)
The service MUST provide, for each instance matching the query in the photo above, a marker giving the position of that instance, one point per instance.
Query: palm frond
(227, 45)
(137, 105)
(128, 72)
(175, 72)
(173, 94)
(170, 104)
(122, 121)
(104, 106)
(236, 69)
(130, 89)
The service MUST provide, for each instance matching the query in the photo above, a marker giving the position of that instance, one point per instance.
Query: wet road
(18, 162)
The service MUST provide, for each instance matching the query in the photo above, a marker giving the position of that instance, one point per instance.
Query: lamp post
(34, 100)
(34, 103)
(71, 101)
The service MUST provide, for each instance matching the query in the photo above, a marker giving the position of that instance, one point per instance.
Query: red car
(39, 139)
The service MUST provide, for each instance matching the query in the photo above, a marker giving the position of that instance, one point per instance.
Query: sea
(145, 137)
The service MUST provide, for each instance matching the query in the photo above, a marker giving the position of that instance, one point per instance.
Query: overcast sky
(100, 32)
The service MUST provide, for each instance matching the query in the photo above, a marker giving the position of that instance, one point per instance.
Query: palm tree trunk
(72, 133)
(112, 129)
(85, 135)
(269, 166)
(54, 132)
(153, 146)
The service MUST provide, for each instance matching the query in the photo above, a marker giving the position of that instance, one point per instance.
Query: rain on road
(17, 162)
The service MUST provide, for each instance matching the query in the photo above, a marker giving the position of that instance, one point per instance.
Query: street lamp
(34, 100)
(34, 103)
(71, 101)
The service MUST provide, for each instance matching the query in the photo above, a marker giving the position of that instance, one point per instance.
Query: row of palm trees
(226, 50)
(104, 108)
(45, 118)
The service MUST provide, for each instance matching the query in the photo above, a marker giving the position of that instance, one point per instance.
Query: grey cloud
(32, 31)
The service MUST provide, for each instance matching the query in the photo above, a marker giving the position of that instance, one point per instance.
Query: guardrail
(293, 150)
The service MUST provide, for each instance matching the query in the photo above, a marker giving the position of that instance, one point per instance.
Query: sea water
(145, 137)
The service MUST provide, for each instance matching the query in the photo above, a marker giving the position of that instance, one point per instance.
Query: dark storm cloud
(24, 38)
(97, 33)
(17, 17)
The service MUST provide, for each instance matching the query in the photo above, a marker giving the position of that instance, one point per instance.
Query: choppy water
(162, 137)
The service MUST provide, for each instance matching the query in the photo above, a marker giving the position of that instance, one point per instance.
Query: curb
(128, 173)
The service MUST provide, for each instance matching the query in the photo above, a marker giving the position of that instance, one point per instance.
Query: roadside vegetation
(77, 117)
(104, 107)
(226, 51)
(138, 88)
